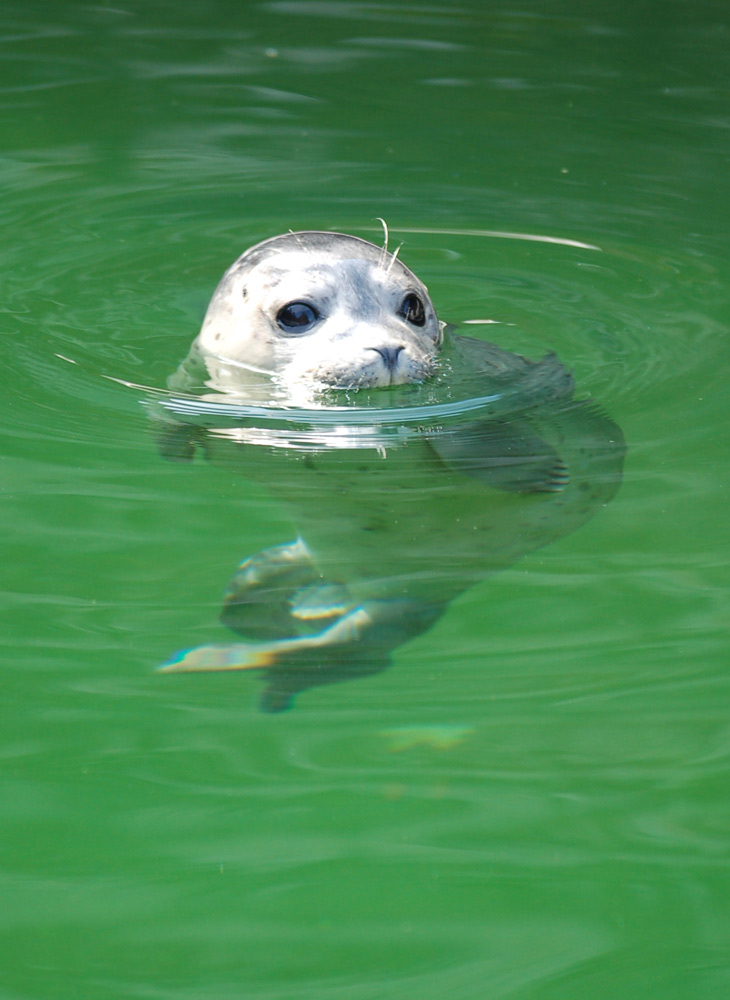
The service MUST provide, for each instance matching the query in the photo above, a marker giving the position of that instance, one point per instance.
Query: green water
(160, 836)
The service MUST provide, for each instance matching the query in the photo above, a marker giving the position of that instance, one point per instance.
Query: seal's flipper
(258, 598)
(505, 455)
(291, 664)
(520, 381)
(258, 655)
(178, 442)
(321, 602)
(356, 645)
(285, 683)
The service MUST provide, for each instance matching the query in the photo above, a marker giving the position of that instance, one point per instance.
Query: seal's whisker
(393, 257)
(384, 254)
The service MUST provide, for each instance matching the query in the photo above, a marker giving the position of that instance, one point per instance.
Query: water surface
(532, 801)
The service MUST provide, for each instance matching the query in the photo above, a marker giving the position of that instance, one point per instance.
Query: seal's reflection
(395, 519)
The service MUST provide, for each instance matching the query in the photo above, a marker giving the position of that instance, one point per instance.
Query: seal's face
(324, 308)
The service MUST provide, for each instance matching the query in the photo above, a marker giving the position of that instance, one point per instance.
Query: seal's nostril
(389, 355)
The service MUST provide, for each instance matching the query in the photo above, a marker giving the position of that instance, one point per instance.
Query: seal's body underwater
(390, 529)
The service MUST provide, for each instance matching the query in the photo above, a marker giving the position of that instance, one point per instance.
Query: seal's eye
(412, 310)
(297, 317)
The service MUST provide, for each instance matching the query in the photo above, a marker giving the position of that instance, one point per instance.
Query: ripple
(89, 335)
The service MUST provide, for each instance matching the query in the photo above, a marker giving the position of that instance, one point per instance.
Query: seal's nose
(389, 355)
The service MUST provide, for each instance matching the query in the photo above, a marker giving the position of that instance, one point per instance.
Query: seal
(395, 511)
(325, 308)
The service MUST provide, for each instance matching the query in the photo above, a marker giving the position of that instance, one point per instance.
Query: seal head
(322, 308)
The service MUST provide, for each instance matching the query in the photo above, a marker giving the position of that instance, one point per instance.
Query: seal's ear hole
(244, 292)
(413, 310)
(297, 317)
